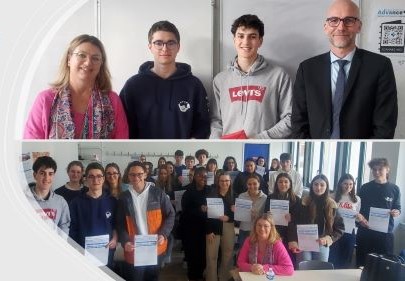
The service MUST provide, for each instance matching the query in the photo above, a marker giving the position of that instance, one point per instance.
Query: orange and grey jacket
(160, 218)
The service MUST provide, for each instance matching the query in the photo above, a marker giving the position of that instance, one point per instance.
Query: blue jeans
(322, 255)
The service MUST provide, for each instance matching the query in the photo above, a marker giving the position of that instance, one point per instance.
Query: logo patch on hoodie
(184, 106)
(247, 93)
(50, 213)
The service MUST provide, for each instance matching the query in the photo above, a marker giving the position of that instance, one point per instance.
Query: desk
(313, 275)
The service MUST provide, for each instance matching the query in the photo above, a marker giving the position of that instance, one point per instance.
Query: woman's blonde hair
(273, 236)
(103, 79)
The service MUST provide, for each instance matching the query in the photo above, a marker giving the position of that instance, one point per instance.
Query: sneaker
(184, 265)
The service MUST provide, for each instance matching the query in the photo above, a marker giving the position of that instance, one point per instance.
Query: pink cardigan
(37, 126)
(282, 262)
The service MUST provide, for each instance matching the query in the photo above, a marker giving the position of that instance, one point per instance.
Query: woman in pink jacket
(264, 250)
(80, 103)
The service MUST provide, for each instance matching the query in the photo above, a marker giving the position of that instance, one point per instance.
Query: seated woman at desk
(264, 250)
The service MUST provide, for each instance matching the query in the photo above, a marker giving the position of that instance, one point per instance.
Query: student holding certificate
(378, 193)
(283, 191)
(221, 232)
(341, 251)
(258, 199)
(93, 213)
(264, 250)
(142, 210)
(319, 209)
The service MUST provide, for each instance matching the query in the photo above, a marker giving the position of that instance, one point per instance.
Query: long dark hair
(278, 164)
(166, 186)
(107, 184)
(339, 188)
(325, 195)
(290, 192)
(322, 201)
(225, 166)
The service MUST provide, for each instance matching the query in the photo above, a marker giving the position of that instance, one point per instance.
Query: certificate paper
(378, 219)
(307, 236)
(210, 178)
(349, 217)
(185, 179)
(178, 194)
(95, 249)
(145, 250)
(260, 170)
(243, 209)
(215, 208)
(278, 209)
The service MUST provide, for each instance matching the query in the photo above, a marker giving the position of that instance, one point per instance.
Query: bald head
(340, 8)
(341, 26)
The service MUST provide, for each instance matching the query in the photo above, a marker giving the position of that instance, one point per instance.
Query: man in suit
(365, 107)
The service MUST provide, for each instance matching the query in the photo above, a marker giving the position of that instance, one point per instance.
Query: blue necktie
(338, 98)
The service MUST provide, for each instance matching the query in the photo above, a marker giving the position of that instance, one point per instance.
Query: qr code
(393, 34)
(392, 37)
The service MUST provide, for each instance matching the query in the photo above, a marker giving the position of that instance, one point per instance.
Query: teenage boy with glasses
(93, 212)
(143, 209)
(164, 100)
(357, 102)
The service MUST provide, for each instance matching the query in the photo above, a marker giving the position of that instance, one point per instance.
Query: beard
(342, 42)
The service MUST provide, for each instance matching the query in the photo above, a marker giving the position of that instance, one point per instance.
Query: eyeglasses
(138, 175)
(98, 177)
(347, 21)
(112, 174)
(95, 59)
(159, 44)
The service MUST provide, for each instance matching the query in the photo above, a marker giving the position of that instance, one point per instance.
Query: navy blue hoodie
(172, 108)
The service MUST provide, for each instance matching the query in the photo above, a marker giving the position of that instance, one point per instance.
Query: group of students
(252, 98)
(128, 205)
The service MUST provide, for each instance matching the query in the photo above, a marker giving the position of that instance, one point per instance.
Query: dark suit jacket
(369, 109)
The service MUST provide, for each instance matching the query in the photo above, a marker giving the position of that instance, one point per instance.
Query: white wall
(62, 152)
(290, 33)
(121, 152)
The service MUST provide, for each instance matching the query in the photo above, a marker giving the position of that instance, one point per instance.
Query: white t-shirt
(140, 204)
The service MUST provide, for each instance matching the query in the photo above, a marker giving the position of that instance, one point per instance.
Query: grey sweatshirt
(258, 102)
(54, 209)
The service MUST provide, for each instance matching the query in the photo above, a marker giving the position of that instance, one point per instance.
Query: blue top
(171, 108)
(91, 217)
(385, 196)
